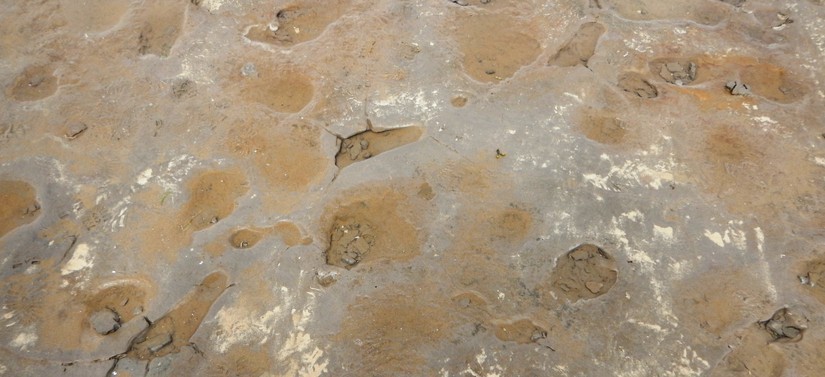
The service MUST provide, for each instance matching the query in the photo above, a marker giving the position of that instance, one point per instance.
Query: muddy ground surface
(412, 188)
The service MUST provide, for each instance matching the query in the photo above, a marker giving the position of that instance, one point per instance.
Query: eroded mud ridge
(412, 188)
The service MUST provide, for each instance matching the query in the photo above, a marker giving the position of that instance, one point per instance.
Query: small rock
(674, 67)
(326, 278)
(105, 321)
(75, 129)
(32, 208)
(249, 70)
(158, 342)
(784, 326)
(183, 88)
(678, 73)
(354, 151)
(667, 75)
(490, 72)
(791, 332)
(593, 287)
(36, 81)
(364, 144)
(737, 88)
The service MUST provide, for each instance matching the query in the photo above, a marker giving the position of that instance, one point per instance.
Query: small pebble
(593, 286)
(75, 129)
(158, 342)
(105, 321)
(249, 70)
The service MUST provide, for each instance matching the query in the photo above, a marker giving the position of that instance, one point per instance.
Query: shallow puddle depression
(297, 23)
(494, 46)
(368, 144)
(18, 205)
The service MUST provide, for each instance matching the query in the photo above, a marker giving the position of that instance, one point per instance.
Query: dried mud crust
(370, 227)
(18, 205)
(494, 46)
(718, 302)
(174, 329)
(93, 15)
(580, 47)
(742, 166)
(283, 90)
(636, 84)
(246, 238)
(394, 333)
(773, 82)
(522, 331)
(477, 260)
(785, 326)
(602, 127)
(459, 101)
(239, 360)
(675, 71)
(813, 279)
(70, 318)
(487, 311)
(299, 22)
(368, 144)
(287, 157)
(289, 232)
(753, 356)
(763, 77)
(34, 83)
(123, 299)
(585, 272)
(183, 88)
(350, 242)
(212, 196)
(161, 26)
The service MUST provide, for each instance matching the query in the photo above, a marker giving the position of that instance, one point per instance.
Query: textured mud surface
(412, 188)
